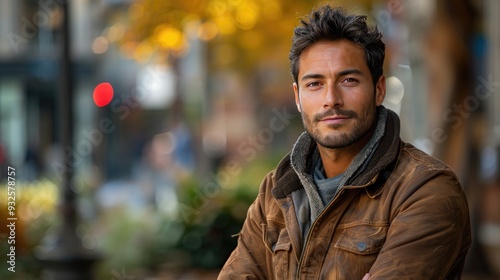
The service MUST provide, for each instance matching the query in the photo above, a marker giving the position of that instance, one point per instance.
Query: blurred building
(29, 63)
(29, 86)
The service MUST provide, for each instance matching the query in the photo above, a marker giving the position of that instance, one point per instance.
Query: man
(351, 200)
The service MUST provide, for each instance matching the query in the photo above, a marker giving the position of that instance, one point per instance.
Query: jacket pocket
(357, 249)
(362, 239)
(280, 246)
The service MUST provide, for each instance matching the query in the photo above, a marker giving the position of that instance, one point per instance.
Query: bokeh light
(226, 24)
(169, 37)
(247, 15)
(103, 94)
(100, 45)
(115, 32)
(207, 31)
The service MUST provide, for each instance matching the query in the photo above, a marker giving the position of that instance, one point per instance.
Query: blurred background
(140, 130)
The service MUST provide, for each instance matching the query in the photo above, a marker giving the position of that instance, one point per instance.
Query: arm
(248, 260)
(429, 234)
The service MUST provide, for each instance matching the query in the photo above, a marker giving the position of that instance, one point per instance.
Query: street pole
(62, 254)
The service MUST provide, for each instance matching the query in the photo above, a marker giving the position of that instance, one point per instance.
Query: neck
(336, 161)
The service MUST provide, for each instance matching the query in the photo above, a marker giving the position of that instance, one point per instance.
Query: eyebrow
(340, 74)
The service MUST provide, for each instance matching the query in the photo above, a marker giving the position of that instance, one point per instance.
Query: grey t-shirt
(327, 187)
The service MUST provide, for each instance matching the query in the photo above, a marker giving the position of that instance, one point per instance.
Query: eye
(313, 84)
(350, 81)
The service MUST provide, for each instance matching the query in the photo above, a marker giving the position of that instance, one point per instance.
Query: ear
(380, 91)
(296, 92)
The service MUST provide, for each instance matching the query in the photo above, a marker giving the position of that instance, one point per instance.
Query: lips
(334, 115)
(334, 119)
(329, 118)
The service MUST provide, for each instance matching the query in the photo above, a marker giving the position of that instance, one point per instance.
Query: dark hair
(332, 24)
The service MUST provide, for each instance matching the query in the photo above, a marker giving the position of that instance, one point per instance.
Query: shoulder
(267, 183)
(422, 177)
(418, 168)
(418, 158)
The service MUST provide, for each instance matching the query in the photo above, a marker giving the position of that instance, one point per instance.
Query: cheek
(361, 97)
(307, 102)
(356, 99)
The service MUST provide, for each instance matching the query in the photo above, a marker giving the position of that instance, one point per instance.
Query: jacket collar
(288, 180)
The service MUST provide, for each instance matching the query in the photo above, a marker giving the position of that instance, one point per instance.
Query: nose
(332, 98)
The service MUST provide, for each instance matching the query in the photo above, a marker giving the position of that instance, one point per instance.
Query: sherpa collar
(292, 172)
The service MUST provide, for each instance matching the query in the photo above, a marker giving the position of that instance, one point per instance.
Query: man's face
(335, 94)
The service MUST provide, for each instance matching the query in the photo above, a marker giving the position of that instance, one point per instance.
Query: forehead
(332, 56)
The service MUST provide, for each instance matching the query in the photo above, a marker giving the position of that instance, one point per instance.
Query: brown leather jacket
(405, 217)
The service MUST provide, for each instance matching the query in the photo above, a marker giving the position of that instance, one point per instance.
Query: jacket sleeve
(248, 260)
(430, 234)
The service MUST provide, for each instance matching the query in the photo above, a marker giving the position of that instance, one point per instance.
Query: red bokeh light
(103, 94)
